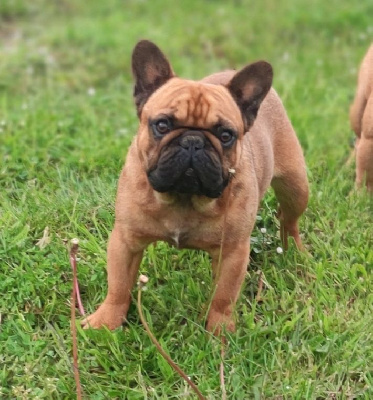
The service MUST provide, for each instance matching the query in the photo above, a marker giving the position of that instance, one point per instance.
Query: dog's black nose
(192, 140)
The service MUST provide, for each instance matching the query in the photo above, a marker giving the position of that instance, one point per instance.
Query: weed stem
(73, 251)
(142, 280)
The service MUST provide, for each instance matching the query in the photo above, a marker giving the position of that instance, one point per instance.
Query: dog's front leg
(123, 265)
(229, 276)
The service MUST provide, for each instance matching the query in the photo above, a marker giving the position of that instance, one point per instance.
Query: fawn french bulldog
(203, 157)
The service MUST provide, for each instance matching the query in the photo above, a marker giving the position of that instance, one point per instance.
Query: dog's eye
(162, 126)
(226, 136)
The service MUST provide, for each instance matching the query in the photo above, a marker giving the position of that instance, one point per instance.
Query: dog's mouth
(189, 164)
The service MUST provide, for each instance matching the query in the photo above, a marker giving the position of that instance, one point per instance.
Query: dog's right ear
(150, 69)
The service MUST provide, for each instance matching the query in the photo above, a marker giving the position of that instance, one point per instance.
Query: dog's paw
(218, 323)
(107, 315)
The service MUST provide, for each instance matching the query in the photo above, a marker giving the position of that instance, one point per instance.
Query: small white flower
(3, 123)
(122, 132)
(286, 56)
(279, 250)
(143, 279)
(91, 91)
(263, 230)
(24, 106)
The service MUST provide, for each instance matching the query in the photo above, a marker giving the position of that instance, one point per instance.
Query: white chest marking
(175, 237)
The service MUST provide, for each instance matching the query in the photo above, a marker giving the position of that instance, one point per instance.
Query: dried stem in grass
(73, 252)
(142, 281)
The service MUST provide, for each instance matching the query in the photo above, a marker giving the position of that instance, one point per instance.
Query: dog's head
(190, 132)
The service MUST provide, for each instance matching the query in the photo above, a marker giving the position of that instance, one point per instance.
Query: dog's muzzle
(189, 164)
(192, 141)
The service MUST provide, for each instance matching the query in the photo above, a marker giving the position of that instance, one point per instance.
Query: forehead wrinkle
(198, 103)
(227, 107)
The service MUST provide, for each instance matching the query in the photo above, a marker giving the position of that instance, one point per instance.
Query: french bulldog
(203, 157)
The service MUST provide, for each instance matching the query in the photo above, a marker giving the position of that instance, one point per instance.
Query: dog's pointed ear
(249, 87)
(150, 69)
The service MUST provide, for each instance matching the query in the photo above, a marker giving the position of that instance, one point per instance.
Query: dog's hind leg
(364, 149)
(357, 110)
(291, 188)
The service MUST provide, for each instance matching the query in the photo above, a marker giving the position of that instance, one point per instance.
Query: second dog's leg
(364, 150)
(357, 110)
(364, 163)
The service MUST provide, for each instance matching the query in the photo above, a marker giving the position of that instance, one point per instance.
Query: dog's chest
(179, 234)
(186, 233)
(177, 238)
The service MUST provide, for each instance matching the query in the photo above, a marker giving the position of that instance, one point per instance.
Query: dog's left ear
(151, 70)
(249, 87)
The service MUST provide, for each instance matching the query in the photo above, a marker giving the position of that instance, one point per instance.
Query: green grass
(61, 150)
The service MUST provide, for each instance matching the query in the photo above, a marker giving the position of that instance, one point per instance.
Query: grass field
(66, 120)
